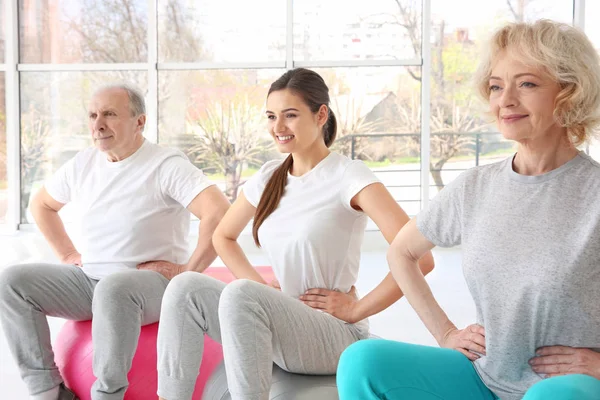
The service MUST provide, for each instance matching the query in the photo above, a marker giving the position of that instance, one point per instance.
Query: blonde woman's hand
(564, 360)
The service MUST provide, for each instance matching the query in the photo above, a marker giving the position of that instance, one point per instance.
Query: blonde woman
(529, 227)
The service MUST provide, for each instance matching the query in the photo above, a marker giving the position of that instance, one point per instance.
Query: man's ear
(141, 122)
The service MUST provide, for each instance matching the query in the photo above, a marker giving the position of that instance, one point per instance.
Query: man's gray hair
(137, 105)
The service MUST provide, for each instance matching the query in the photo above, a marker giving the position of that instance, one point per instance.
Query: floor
(398, 322)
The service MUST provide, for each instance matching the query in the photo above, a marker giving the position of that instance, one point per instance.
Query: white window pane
(3, 24)
(221, 31)
(357, 30)
(3, 176)
(83, 31)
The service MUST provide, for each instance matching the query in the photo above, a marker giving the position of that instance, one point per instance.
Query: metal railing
(404, 149)
(478, 140)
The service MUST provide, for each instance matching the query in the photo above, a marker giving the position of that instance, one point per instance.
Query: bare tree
(446, 146)
(112, 31)
(451, 139)
(409, 19)
(228, 139)
(518, 10)
(450, 134)
(35, 130)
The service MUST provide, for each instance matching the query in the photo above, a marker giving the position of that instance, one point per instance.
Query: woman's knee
(360, 366)
(357, 360)
(565, 387)
(189, 288)
(243, 300)
(241, 293)
(187, 283)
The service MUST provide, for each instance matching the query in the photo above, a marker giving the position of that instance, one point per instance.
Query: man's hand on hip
(73, 258)
(165, 268)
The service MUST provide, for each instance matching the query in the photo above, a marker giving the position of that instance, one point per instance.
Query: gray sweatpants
(119, 303)
(257, 325)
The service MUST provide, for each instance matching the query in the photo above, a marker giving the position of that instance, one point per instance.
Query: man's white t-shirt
(313, 237)
(130, 211)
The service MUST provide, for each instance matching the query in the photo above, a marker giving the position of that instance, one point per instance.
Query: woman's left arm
(377, 202)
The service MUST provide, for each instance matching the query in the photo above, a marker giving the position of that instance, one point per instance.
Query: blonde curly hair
(567, 55)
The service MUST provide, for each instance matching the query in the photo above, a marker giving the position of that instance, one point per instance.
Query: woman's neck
(542, 156)
(305, 161)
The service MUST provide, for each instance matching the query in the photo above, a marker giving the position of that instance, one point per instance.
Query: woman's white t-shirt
(313, 237)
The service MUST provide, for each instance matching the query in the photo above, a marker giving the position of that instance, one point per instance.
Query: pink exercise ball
(73, 354)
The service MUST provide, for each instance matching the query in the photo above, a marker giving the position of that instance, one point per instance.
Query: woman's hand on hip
(564, 360)
(340, 305)
(469, 341)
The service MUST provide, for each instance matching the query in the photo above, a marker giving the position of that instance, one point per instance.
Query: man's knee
(16, 279)
(114, 289)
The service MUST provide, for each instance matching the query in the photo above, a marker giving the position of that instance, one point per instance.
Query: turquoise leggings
(383, 369)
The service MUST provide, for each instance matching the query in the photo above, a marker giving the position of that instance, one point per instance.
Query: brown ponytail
(271, 196)
(330, 129)
(312, 88)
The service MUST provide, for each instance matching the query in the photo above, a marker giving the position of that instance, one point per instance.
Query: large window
(205, 68)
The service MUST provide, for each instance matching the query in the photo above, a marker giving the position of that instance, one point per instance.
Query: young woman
(310, 213)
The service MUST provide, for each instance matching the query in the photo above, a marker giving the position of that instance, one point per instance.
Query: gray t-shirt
(531, 259)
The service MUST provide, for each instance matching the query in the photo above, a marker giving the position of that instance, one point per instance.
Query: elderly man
(133, 197)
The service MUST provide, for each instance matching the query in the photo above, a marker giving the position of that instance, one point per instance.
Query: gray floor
(399, 322)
